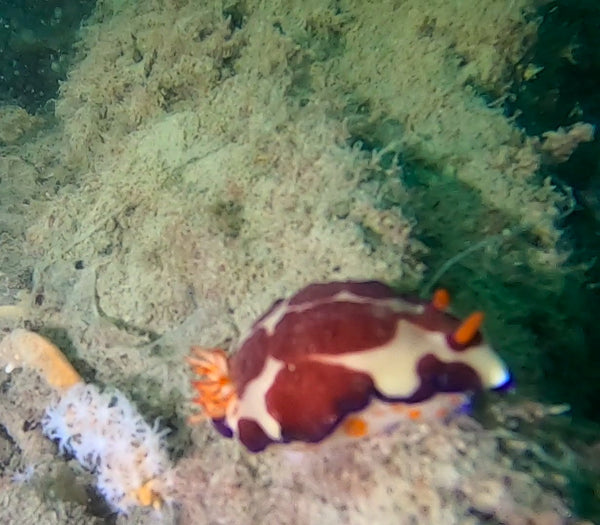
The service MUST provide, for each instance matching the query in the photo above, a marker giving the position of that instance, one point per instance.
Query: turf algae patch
(563, 93)
(37, 49)
(555, 88)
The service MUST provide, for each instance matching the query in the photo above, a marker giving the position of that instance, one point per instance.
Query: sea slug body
(344, 359)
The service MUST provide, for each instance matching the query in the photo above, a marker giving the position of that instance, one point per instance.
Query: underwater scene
(271, 262)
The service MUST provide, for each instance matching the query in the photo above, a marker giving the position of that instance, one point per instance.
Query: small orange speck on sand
(399, 407)
(356, 427)
(146, 496)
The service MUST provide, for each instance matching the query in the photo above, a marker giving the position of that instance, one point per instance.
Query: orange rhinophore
(468, 329)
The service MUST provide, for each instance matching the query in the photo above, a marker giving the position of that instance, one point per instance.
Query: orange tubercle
(442, 413)
(415, 414)
(215, 389)
(355, 427)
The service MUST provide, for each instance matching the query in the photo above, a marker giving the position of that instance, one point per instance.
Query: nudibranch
(344, 358)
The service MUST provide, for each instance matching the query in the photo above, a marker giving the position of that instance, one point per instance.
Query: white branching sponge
(102, 430)
(107, 435)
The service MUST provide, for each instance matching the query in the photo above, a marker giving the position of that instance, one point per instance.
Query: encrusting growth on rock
(25, 348)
